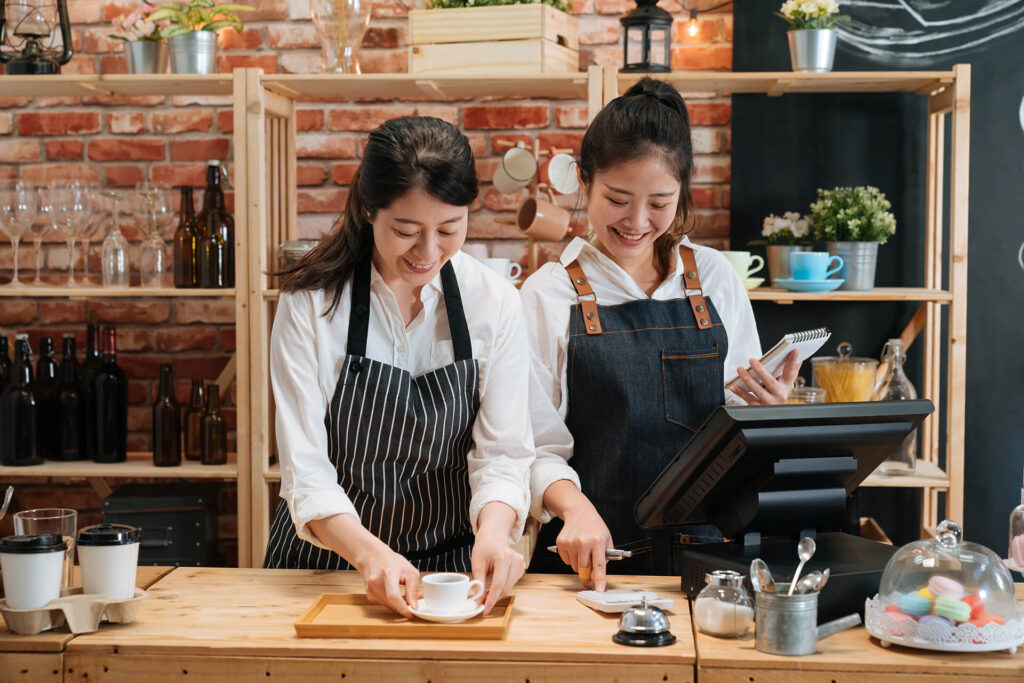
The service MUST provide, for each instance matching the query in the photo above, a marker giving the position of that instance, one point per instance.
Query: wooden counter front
(238, 624)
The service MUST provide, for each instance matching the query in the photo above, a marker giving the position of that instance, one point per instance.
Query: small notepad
(806, 343)
(619, 600)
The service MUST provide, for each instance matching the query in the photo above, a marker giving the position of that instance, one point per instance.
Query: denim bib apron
(642, 377)
(399, 444)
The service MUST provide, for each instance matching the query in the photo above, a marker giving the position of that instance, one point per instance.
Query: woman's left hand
(762, 388)
(493, 557)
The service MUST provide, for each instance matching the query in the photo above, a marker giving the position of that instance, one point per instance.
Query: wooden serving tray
(352, 615)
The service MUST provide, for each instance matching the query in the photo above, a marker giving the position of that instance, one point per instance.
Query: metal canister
(786, 624)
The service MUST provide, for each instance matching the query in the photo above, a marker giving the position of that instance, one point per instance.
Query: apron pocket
(692, 385)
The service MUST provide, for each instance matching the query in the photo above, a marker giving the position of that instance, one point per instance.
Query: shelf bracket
(780, 87)
(100, 486)
(914, 327)
(431, 88)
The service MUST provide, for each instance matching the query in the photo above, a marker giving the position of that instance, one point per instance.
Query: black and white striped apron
(399, 444)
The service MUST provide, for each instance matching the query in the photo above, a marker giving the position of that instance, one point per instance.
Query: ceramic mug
(559, 173)
(516, 170)
(741, 262)
(448, 592)
(504, 267)
(813, 265)
(542, 219)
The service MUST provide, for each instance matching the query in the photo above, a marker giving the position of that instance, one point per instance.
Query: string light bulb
(691, 26)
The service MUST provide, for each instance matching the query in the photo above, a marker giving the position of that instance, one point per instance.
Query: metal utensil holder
(788, 624)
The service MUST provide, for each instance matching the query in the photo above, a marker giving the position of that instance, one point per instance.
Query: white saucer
(794, 285)
(472, 609)
(752, 282)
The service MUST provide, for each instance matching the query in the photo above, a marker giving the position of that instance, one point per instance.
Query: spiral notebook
(807, 343)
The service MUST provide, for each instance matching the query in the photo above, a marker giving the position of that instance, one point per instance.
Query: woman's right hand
(384, 573)
(583, 541)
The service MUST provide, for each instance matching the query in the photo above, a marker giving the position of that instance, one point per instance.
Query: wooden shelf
(877, 294)
(926, 475)
(137, 465)
(788, 82)
(412, 86)
(105, 292)
(112, 85)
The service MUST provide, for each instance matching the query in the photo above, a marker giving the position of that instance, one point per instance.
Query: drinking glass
(340, 25)
(17, 211)
(68, 209)
(91, 227)
(43, 223)
(115, 246)
(154, 211)
(51, 521)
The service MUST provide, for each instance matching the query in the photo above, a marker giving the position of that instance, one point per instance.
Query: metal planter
(778, 259)
(859, 259)
(812, 50)
(146, 56)
(194, 52)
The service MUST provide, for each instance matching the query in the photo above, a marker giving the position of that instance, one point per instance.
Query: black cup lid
(109, 534)
(29, 544)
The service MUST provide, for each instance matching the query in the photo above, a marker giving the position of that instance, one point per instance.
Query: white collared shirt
(548, 297)
(308, 350)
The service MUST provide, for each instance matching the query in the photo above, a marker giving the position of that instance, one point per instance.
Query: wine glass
(43, 223)
(17, 211)
(115, 247)
(153, 205)
(91, 227)
(341, 25)
(68, 209)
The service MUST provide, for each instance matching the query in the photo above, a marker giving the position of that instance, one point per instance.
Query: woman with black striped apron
(402, 416)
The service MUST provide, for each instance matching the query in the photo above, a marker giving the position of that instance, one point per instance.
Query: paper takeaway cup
(515, 171)
(32, 566)
(542, 220)
(109, 555)
(559, 173)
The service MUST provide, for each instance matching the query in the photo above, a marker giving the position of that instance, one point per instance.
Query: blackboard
(784, 148)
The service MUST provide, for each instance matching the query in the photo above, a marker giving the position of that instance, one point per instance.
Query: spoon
(824, 579)
(7, 501)
(760, 577)
(810, 583)
(805, 551)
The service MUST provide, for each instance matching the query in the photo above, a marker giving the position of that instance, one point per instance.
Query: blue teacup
(813, 265)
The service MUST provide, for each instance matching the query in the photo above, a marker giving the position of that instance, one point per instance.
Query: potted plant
(853, 221)
(191, 32)
(812, 33)
(782, 235)
(145, 50)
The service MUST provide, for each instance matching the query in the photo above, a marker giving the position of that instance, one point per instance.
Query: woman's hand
(493, 556)
(385, 572)
(762, 388)
(583, 541)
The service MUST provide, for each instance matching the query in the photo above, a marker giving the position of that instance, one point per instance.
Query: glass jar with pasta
(845, 378)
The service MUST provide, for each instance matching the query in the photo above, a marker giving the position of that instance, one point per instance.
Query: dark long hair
(401, 155)
(650, 119)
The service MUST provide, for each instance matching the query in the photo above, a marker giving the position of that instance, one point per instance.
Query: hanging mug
(559, 173)
(516, 170)
(542, 219)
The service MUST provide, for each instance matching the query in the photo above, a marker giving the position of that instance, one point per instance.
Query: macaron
(925, 593)
(943, 585)
(952, 608)
(934, 619)
(977, 605)
(914, 604)
(988, 619)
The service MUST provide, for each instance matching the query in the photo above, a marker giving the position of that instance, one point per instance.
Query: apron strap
(583, 289)
(691, 280)
(359, 316)
(461, 342)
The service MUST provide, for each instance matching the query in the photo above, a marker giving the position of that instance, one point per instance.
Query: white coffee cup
(32, 567)
(504, 267)
(448, 592)
(741, 262)
(559, 173)
(516, 170)
(109, 555)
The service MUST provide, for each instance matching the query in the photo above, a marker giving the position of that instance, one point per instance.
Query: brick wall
(167, 140)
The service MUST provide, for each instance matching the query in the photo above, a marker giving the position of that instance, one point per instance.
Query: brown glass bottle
(19, 438)
(213, 256)
(214, 429)
(193, 422)
(70, 404)
(166, 423)
(46, 385)
(110, 404)
(5, 363)
(186, 244)
(90, 364)
(215, 209)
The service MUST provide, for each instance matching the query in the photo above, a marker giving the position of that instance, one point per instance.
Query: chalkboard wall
(784, 148)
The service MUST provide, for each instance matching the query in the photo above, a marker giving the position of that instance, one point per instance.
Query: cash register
(767, 476)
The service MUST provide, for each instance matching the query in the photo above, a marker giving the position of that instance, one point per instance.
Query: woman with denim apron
(396, 361)
(633, 335)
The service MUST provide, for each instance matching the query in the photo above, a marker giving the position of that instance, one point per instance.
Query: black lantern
(30, 25)
(646, 38)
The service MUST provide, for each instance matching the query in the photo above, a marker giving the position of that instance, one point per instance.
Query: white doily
(938, 636)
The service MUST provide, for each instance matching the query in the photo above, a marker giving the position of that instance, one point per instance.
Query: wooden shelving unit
(949, 94)
(137, 465)
(108, 293)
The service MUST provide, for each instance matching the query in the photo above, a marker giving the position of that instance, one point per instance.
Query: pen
(609, 553)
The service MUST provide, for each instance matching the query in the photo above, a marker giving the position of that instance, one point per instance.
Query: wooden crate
(504, 39)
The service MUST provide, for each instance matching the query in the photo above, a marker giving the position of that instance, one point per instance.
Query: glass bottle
(46, 384)
(894, 386)
(723, 607)
(166, 423)
(115, 249)
(214, 430)
(1015, 557)
(19, 443)
(110, 405)
(70, 405)
(90, 364)
(219, 253)
(212, 256)
(5, 362)
(193, 422)
(186, 243)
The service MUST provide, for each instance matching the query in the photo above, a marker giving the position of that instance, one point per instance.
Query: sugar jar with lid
(723, 607)
(801, 393)
(946, 594)
(845, 378)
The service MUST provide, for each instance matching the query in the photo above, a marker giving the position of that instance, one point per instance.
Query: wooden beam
(914, 327)
(941, 101)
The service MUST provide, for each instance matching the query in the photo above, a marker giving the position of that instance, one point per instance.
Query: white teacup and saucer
(448, 598)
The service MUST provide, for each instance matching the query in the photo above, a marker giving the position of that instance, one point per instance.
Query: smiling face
(630, 205)
(415, 236)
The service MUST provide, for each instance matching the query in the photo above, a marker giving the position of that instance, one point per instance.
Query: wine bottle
(166, 423)
(19, 438)
(214, 429)
(212, 256)
(5, 363)
(186, 244)
(193, 422)
(90, 364)
(46, 384)
(70, 405)
(110, 404)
